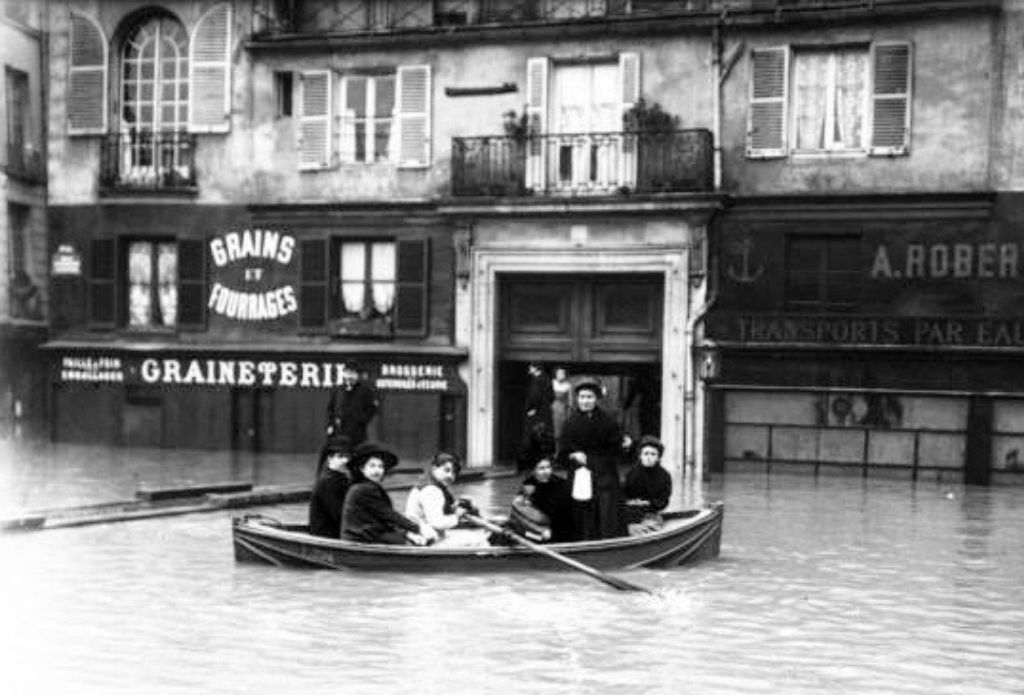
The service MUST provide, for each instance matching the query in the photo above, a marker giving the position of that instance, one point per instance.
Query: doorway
(251, 417)
(607, 326)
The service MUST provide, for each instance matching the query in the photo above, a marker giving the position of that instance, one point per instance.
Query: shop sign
(66, 261)
(251, 295)
(91, 368)
(947, 261)
(423, 377)
(870, 330)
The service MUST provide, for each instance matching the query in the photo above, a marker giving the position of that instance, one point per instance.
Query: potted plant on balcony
(518, 129)
(651, 128)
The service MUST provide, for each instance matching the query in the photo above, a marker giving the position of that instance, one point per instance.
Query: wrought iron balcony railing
(583, 164)
(25, 162)
(376, 16)
(148, 160)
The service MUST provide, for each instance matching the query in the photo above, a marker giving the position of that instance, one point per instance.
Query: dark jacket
(539, 395)
(653, 485)
(326, 503)
(554, 499)
(369, 516)
(350, 410)
(599, 437)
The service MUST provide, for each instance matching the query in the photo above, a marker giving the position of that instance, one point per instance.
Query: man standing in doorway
(351, 407)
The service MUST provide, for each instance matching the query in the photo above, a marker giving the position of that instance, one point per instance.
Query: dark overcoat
(350, 410)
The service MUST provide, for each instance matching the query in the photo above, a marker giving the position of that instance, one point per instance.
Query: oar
(620, 584)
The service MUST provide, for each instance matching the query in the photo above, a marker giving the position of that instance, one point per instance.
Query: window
(368, 287)
(18, 118)
(283, 84)
(830, 100)
(147, 284)
(152, 284)
(384, 116)
(366, 283)
(368, 110)
(169, 81)
(822, 273)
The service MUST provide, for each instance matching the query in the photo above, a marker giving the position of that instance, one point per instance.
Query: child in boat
(431, 501)
(368, 514)
(332, 483)
(647, 488)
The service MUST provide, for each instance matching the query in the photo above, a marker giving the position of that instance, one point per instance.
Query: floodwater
(825, 585)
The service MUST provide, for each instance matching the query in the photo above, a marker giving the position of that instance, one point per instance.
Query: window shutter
(103, 283)
(312, 283)
(209, 65)
(413, 100)
(629, 79)
(315, 121)
(769, 84)
(537, 112)
(87, 80)
(890, 98)
(413, 274)
(192, 284)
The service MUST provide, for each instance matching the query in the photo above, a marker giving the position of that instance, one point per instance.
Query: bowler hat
(652, 441)
(367, 450)
(589, 385)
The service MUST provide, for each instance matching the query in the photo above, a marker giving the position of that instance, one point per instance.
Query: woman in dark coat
(592, 440)
(332, 483)
(549, 493)
(368, 515)
(648, 486)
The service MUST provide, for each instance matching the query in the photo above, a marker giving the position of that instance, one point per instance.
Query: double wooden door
(600, 318)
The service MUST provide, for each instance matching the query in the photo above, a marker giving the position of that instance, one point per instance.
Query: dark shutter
(411, 292)
(192, 284)
(103, 283)
(313, 283)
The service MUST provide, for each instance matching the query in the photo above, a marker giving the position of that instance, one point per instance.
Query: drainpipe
(693, 422)
(716, 103)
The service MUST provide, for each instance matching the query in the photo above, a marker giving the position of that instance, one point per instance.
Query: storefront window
(152, 284)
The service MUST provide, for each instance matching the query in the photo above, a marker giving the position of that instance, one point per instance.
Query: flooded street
(828, 584)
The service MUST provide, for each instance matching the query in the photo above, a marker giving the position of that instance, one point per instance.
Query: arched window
(154, 100)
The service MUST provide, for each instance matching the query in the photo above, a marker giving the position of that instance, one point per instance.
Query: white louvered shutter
(315, 120)
(769, 94)
(890, 98)
(209, 72)
(537, 113)
(629, 83)
(413, 103)
(87, 78)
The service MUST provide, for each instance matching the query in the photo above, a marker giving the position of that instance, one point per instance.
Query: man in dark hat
(351, 406)
(332, 483)
(368, 515)
(590, 448)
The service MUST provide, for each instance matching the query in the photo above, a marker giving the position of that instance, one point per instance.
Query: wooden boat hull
(687, 537)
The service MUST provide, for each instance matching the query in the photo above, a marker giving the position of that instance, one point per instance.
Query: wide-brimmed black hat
(367, 450)
(589, 385)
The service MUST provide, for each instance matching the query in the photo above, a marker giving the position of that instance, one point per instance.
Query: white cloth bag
(582, 486)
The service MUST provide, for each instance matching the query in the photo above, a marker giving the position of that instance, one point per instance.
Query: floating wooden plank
(185, 492)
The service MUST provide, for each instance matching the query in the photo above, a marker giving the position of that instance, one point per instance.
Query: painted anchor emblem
(744, 275)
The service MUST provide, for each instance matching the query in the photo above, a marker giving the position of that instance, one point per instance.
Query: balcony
(582, 164)
(147, 161)
(369, 18)
(25, 162)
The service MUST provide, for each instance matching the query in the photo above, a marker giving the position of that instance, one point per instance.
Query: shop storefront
(879, 337)
(227, 328)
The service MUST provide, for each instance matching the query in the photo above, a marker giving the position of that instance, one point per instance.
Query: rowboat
(687, 537)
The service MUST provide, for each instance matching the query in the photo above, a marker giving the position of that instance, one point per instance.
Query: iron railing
(25, 162)
(374, 16)
(148, 160)
(583, 164)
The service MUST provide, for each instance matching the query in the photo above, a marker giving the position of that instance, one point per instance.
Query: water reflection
(838, 585)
